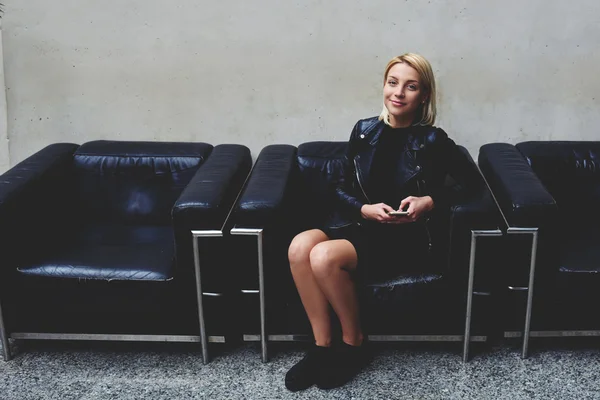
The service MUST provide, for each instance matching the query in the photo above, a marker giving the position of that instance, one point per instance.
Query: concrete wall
(4, 152)
(273, 71)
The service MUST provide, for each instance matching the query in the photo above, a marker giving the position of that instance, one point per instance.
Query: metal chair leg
(534, 244)
(261, 287)
(467, 335)
(199, 293)
(527, 330)
(4, 338)
(258, 232)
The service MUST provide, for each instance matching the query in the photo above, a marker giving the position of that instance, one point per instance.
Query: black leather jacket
(431, 157)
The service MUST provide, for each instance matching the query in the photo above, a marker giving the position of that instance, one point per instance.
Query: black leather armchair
(551, 188)
(289, 190)
(97, 240)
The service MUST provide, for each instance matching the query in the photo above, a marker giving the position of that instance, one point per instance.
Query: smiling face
(403, 94)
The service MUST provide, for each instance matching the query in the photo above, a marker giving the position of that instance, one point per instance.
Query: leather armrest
(477, 213)
(473, 209)
(42, 168)
(269, 187)
(522, 197)
(35, 195)
(207, 199)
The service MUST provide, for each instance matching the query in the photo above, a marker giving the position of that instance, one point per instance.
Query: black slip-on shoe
(305, 372)
(344, 364)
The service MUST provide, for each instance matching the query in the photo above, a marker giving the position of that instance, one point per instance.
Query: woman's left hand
(416, 207)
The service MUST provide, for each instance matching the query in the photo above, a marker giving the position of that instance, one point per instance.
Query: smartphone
(399, 212)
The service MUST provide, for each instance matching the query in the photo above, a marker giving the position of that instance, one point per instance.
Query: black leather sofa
(289, 190)
(97, 240)
(552, 188)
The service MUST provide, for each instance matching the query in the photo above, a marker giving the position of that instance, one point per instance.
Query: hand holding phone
(398, 213)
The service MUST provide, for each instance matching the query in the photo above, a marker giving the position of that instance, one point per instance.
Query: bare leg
(331, 262)
(314, 301)
(320, 268)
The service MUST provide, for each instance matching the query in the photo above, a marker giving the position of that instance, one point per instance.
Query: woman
(395, 162)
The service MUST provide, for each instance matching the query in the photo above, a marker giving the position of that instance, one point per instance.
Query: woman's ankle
(323, 343)
(355, 340)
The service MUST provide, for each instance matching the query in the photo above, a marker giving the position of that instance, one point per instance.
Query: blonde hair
(421, 65)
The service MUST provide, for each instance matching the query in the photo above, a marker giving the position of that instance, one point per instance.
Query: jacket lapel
(411, 164)
(364, 158)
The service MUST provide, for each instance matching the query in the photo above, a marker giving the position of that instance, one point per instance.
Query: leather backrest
(320, 166)
(134, 182)
(570, 171)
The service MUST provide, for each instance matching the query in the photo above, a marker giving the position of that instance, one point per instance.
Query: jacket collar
(372, 133)
(406, 170)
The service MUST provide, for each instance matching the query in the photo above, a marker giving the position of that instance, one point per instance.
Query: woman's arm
(454, 163)
(343, 190)
(448, 160)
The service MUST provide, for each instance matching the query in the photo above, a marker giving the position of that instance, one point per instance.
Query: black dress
(385, 250)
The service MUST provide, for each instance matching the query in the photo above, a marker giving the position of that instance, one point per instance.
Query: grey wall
(273, 71)
(4, 153)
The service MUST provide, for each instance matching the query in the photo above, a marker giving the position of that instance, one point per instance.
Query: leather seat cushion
(110, 252)
(403, 289)
(579, 250)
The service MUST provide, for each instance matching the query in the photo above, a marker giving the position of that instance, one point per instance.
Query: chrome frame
(512, 230)
(4, 338)
(583, 333)
(534, 244)
(371, 338)
(204, 339)
(474, 235)
(258, 232)
(106, 337)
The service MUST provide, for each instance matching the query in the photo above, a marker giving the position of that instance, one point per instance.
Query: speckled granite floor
(408, 371)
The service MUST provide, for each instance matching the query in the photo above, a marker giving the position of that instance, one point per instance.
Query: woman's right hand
(377, 212)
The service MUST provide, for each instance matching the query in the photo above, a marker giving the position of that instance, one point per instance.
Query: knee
(323, 261)
(299, 250)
